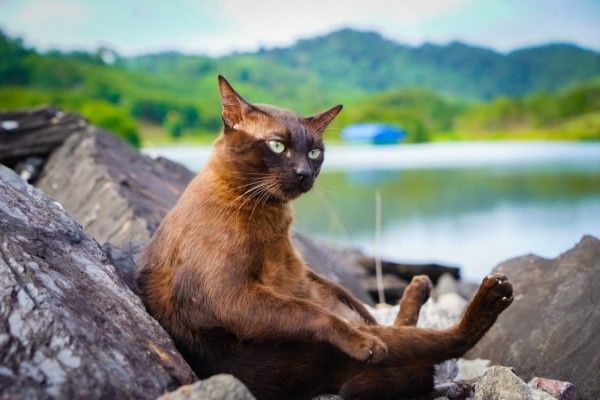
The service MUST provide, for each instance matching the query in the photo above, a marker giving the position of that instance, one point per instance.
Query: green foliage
(174, 124)
(112, 118)
(583, 127)
(573, 111)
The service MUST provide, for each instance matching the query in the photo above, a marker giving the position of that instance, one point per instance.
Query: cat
(223, 278)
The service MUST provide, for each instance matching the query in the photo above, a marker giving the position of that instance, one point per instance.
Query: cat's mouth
(295, 188)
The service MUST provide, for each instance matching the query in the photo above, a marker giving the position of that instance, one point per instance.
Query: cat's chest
(285, 272)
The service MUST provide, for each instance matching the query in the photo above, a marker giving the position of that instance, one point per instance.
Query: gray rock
(217, 387)
(114, 192)
(408, 271)
(499, 383)
(69, 327)
(552, 328)
(393, 287)
(332, 263)
(35, 133)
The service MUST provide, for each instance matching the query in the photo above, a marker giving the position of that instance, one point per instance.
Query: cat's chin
(294, 192)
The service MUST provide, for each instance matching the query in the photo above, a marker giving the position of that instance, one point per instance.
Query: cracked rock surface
(69, 327)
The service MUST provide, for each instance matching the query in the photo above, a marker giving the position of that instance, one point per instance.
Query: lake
(467, 204)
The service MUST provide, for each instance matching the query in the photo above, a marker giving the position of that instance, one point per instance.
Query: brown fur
(223, 278)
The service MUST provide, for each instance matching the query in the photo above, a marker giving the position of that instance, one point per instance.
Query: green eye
(314, 154)
(276, 146)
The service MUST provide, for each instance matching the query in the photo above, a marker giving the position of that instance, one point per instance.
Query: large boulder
(69, 327)
(553, 327)
(120, 196)
(114, 192)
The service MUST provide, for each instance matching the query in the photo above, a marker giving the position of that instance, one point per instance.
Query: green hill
(427, 89)
(370, 62)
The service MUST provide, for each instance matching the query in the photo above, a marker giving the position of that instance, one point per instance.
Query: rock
(332, 263)
(69, 327)
(471, 369)
(393, 287)
(552, 328)
(217, 387)
(558, 389)
(35, 133)
(29, 169)
(114, 192)
(407, 271)
(125, 261)
(499, 383)
(120, 196)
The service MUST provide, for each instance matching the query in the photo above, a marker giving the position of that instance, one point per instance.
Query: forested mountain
(427, 89)
(370, 62)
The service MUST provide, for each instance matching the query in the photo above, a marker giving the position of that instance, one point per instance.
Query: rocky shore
(76, 207)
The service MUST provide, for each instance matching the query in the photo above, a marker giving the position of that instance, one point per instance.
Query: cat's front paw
(368, 348)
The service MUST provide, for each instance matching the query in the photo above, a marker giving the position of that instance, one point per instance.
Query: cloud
(222, 26)
(51, 12)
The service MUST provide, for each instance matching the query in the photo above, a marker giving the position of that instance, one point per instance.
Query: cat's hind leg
(415, 295)
(381, 381)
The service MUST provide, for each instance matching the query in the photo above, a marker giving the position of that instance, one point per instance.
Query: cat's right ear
(234, 106)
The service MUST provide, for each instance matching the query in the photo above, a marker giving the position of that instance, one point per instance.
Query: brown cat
(223, 278)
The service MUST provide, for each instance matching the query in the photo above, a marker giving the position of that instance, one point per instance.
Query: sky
(220, 27)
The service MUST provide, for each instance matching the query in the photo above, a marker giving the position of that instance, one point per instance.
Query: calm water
(467, 204)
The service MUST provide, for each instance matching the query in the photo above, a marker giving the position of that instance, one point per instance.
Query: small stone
(559, 389)
(537, 394)
(218, 387)
(499, 383)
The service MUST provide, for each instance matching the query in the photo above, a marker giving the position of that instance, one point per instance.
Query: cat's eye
(314, 154)
(276, 146)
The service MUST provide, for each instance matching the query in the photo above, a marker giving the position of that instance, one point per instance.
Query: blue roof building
(373, 133)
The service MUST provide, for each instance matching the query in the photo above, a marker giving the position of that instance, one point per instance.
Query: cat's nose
(302, 174)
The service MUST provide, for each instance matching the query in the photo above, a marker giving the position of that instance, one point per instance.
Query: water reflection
(474, 217)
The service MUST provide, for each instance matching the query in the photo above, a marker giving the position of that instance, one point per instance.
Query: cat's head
(271, 151)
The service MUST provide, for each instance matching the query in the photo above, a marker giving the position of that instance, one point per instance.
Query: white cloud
(51, 12)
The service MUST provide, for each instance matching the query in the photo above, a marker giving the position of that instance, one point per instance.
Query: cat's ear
(319, 122)
(234, 105)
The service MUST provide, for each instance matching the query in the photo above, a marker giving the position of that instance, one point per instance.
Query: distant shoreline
(509, 154)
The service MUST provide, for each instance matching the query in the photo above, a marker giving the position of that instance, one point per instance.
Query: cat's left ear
(234, 105)
(319, 122)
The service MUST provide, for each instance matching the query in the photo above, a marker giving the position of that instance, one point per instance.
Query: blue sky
(219, 27)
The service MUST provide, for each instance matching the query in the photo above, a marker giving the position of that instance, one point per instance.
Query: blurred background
(477, 122)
